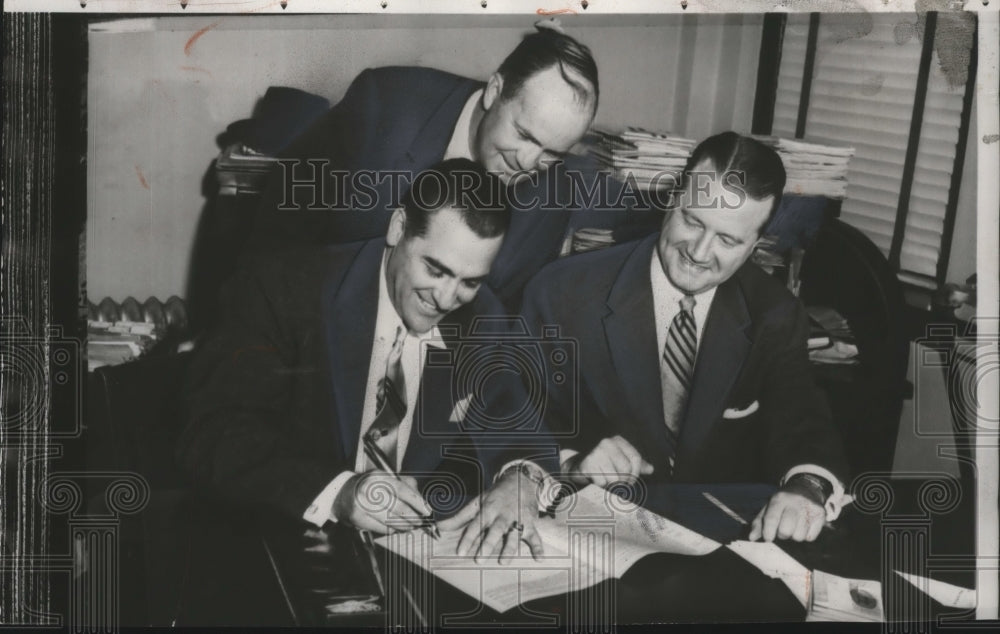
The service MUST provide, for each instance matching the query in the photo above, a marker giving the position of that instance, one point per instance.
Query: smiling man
(322, 351)
(341, 180)
(694, 365)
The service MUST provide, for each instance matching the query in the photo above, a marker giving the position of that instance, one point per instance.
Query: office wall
(162, 89)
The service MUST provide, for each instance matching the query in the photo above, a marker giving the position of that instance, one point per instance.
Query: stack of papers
(654, 160)
(113, 343)
(591, 239)
(241, 170)
(812, 169)
(830, 340)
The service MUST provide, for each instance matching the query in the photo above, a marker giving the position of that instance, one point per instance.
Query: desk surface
(286, 573)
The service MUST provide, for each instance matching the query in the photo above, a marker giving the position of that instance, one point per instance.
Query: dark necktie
(390, 402)
(677, 368)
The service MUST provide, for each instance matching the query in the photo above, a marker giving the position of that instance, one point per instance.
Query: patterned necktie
(677, 367)
(390, 402)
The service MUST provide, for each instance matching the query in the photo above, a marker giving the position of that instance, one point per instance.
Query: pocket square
(460, 410)
(735, 412)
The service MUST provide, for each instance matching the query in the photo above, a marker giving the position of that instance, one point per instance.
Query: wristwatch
(547, 489)
(528, 470)
(819, 488)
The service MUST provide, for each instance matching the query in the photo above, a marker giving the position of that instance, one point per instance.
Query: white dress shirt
(458, 146)
(666, 303)
(387, 323)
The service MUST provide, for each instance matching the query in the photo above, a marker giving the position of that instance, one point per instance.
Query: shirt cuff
(321, 509)
(548, 488)
(564, 455)
(837, 500)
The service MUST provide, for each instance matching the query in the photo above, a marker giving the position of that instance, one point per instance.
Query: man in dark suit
(321, 349)
(342, 178)
(693, 361)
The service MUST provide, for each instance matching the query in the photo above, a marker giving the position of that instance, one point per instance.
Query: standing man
(323, 348)
(340, 180)
(693, 362)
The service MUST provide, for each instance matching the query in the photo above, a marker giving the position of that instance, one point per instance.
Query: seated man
(693, 362)
(322, 349)
(341, 179)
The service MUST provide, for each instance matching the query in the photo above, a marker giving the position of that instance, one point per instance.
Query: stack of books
(242, 170)
(654, 160)
(111, 343)
(830, 338)
(812, 169)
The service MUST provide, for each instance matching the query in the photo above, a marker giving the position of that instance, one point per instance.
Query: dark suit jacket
(275, 396)
(401, 119)
(753, 349)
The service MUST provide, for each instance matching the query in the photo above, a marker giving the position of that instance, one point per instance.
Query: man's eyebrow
(527, 135)
(439, 265)
(689, 216)
(530, 137)
(447, 271)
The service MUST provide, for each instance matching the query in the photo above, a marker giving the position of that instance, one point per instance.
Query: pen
(725, 509)
(369, 545)
(376, 455)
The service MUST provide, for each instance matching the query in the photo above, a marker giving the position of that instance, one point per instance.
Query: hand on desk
(379, 502)
(489, 520)
(788, 515)
(612, 460)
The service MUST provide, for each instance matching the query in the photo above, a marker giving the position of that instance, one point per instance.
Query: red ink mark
(555, 11)
(142, 179)
(198, 34)
(236, 355)
(196, 69)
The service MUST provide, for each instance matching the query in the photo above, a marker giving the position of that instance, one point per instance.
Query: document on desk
(770, 559)
(594, 536)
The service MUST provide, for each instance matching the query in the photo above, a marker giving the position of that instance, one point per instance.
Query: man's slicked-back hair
(762, 169)
(463, 186)
(543, 49)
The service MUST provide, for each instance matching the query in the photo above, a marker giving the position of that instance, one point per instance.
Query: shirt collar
(459, 146)
(388, 321)
(667, 297)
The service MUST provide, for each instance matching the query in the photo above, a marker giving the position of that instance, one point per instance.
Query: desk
(279, 582)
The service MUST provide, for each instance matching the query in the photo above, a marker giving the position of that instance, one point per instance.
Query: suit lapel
(350, 313)
(724, 348)
(432, 139)
(631, 337)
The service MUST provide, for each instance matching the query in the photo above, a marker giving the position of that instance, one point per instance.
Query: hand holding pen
(406, 493)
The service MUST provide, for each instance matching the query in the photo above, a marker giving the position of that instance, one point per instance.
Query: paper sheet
(593, 537)
(841, 599)
(770, 559)
(942, 592)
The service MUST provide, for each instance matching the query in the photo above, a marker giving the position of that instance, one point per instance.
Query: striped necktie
(390, 402)
(677, 367)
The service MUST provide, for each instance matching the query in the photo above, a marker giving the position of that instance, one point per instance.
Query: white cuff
(837, 500)
(547, 488)
(564, 455)
(321, 509)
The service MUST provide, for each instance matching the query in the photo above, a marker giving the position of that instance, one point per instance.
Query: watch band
(526, 469)
(819, 486)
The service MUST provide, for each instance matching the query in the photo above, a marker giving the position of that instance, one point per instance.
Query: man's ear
(397, 227)
(494, 86)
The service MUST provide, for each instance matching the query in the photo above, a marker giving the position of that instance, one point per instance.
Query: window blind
(863, 88)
